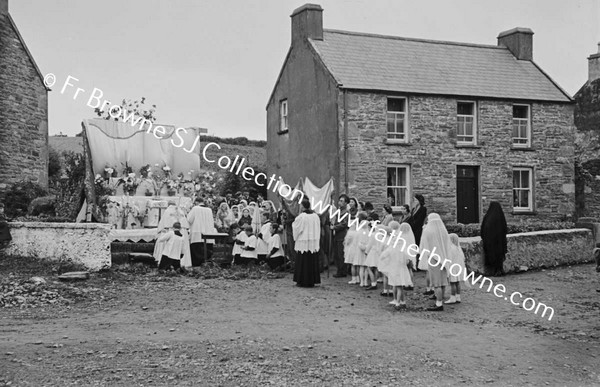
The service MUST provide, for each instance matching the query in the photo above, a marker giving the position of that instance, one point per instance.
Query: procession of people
(262, 233)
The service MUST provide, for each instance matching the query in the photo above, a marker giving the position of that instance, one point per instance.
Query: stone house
(23, 110)
(388, 117)
(587, 121)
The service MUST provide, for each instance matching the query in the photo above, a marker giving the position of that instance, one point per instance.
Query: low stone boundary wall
(84, 243)
(535, 250)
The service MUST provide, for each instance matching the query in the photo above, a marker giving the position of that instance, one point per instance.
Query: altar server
(201, 222)
(173, 245)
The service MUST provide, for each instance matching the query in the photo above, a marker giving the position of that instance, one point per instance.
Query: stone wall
(87, 244)
(587, 108)
(433, 155)
(535, 250)
(309, 147)
(23, 113)
(587, 121)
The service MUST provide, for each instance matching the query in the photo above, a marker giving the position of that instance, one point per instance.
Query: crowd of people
(425, 245)
(261, 233)
(252, 227)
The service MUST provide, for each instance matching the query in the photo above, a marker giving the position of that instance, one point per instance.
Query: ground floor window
(523, 189)
(398, 185)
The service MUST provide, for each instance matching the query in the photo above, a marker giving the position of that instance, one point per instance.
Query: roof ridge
(414, 39)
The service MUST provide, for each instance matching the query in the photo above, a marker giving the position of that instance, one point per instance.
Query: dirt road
(144, 329)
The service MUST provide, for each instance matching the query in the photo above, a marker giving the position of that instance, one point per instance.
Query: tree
(137, 107)
(54, 166)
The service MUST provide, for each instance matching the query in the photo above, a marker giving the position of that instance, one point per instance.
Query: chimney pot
(519, 42)
(307, 22)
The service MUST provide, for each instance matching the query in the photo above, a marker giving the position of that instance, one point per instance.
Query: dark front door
(467, 195)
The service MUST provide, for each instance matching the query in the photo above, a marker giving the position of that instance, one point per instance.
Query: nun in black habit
(493, 237)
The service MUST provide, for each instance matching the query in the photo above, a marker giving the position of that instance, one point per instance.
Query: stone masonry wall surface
(433, 155)
(23, 114)
(587, 121)
(87, 244)
(535, 250)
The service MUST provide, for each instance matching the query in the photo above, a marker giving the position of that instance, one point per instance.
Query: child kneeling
(173, 250)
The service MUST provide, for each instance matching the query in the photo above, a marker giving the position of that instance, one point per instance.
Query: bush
(68, 192)
(19, 196)
(54, 166)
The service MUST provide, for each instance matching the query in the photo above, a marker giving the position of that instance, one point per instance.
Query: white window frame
(529, 208)
(458, 124)
(407, 187)
(404, 114)
(519, 121)
(283, 115)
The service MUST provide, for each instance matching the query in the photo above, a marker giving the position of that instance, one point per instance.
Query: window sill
(283, 131)
(474, 146)
(524, 148)
(525, 212)
(397, 142)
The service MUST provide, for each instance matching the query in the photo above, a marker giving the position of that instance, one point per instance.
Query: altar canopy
(312, 192)
(115, 143)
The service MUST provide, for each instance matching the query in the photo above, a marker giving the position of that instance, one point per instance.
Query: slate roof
(388, 63)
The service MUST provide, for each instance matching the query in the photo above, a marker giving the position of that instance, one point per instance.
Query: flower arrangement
(109, 171)
(130, 183)
(145, 171)
(127, 169)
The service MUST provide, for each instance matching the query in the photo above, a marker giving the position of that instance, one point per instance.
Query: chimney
(3, 7)
(307, 22)
(594, 66)
(519, 41)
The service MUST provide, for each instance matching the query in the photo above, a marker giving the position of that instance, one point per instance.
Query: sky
(213, 64)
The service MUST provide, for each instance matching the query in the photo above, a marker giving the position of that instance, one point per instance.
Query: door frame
(478, 175)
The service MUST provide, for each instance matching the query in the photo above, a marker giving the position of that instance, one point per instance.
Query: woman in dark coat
(417, 217)
(5, 236)
(493, 237)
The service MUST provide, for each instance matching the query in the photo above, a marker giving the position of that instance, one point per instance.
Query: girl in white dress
(374, 250)
(400, 268)
(457, 256)
(351, 240)
(385, 259)
(361, 247)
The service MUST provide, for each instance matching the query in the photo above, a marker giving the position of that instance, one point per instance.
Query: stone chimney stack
(3, 7)
(519, 41)
(594, 66)
(307, 22)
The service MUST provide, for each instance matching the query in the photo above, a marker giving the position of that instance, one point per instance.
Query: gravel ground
(133, 326)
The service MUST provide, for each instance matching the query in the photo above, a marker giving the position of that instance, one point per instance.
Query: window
(521, 132)
(466, 122)
(398, 183)
(396, 120)
(283, 115)
(523, 189)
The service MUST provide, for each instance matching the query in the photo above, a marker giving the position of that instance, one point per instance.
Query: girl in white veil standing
(434, 248)
(401, 265)
(256, 219)
(224, 218)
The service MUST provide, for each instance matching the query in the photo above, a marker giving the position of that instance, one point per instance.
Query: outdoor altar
(134, 175)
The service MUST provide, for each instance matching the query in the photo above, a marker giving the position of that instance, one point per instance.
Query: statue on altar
(147, 186)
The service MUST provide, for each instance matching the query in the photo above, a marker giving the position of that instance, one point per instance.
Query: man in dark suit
(371, 214)
(340, 229)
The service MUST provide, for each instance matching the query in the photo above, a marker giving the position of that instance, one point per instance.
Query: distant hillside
(254, 151)
(61, 144)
